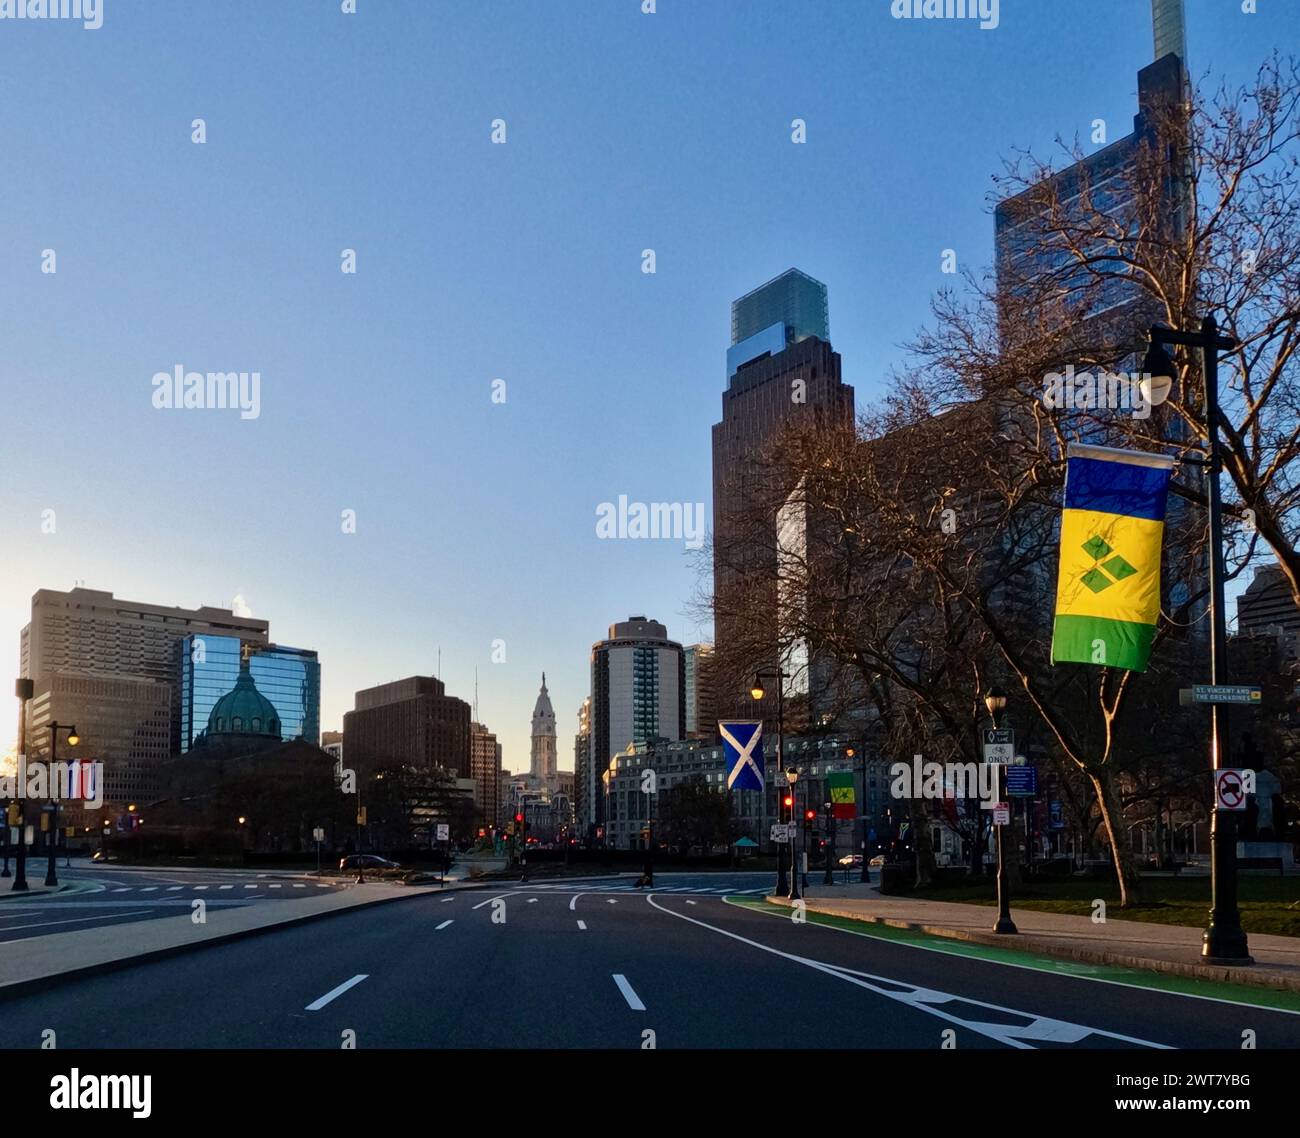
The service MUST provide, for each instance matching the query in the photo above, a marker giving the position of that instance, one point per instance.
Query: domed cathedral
(242, 719)
(542, 770)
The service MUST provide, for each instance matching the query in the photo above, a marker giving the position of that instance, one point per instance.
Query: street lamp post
(996, 702)
(829, 879)
(1224, 940)
(782, 886)
(52, 877)
(792, 777)
(24, 689)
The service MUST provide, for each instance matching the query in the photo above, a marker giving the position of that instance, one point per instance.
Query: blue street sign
(1055, 815)
(742, 744)
(1022, 782)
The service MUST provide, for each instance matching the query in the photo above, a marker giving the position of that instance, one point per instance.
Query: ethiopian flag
(1112, 527)
(843, 800)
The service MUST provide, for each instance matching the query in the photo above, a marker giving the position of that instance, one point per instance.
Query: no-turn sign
(1230, 790)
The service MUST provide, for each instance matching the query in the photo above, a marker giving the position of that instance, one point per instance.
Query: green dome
(244, 711)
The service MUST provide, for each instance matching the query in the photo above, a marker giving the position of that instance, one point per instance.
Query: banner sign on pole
(742, 744)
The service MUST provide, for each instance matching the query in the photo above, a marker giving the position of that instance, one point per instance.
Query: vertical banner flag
(742, 744)
(843, 799)
(1112, 528)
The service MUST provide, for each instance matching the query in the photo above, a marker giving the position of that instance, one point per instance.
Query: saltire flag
(843, 799)
(742, 744)
(1112, 529)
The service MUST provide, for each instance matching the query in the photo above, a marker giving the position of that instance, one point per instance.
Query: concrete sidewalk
(40, 960)
(1174, 949)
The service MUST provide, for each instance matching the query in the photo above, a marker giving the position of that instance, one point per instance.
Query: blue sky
(326, 131)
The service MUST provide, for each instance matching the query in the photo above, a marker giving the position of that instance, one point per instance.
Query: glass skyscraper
(793, 299)
(288, 677)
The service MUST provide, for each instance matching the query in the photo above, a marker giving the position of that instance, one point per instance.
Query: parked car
(367, 861)
(851, 859)
(876, 861)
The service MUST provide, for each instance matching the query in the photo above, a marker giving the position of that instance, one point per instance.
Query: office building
(701, 713)
(410, 722)
(582, 762)
(485, 770)
(288, 677)
(112, 668)
(780, 375)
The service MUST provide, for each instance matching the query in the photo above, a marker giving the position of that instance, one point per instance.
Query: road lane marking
(124, 889)
(250, 886)
(174, 888)
(446, 899)
(633, 1000)
(532, 900)
(689, 901)
(925, 999)
(612, 901)
(199, 888)
(489, 901)
(335, 993)
(149, 889)
(299, 885)
(582, 925)
(227, 886)
(573, 905)
(70, 921)
(277, 886)
(442, 926)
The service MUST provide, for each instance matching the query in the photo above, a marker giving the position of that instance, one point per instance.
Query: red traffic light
(519, 817)
(810, 814)
(789, 800)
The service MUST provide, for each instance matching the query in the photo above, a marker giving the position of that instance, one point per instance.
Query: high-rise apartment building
(411, 722)
(582, 763)
(701, 712)
(638, 693)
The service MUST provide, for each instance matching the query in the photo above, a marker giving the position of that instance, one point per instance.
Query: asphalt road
(600, 965)
(122, 894)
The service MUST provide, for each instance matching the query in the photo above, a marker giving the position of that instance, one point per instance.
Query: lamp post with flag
(1224, 940)
(757, 692)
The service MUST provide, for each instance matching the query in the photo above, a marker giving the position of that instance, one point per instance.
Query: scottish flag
(742, 743)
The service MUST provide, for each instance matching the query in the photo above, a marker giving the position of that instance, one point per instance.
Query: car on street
(367, 861)
(851, 859)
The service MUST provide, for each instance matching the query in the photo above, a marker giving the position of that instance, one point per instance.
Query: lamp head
(73, 737)
(995, 700)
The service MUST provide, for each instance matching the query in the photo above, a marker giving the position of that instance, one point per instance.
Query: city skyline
(449, 564)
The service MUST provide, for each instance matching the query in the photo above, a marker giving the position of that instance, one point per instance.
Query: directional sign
(1230, 790)
(999, 744)
(780, 832)
(444, 832)
(1220, 693)
(1022, 782)
(1002, 814)
(318, 834)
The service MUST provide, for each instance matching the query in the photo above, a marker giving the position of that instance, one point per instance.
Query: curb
(1034, 944)
(16, 988)
(67, 887)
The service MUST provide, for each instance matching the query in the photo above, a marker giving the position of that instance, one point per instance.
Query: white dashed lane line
(335, 993)
(633, 1000)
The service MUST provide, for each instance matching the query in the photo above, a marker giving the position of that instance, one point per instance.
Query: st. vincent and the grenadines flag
(1112, 530)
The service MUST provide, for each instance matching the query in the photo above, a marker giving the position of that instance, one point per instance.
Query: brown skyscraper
(411, 722)
(782, 373)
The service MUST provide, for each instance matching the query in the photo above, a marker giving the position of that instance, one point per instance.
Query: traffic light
(788, 800)
(519, 817)
(810, 814)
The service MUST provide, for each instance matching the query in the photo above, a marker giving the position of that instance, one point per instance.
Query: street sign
(1220, 693)
(1022, 782)
(318, 834)
(999, 744)
(1056, 815)
(444, 832)
(1002, 814)
(1230, 790)
(780, 832)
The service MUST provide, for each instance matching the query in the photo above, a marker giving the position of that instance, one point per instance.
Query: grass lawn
(1268, 904)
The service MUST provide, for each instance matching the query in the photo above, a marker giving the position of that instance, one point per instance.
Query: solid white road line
(582, 925)
(927, 999)
(633, 1000)
(71, 921)
(316, 1005)
(442, 926)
